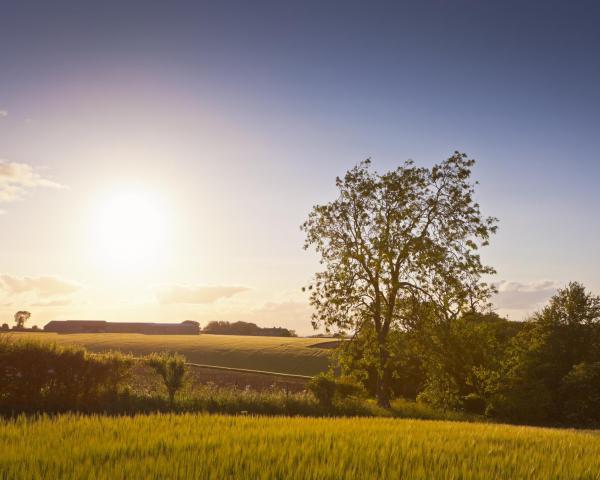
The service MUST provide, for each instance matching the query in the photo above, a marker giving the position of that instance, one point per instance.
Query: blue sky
(237, 117)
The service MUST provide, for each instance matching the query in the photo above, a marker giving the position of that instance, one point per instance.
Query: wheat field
(201, 446)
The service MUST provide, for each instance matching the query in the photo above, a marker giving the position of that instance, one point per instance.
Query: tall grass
(210, 399)
(224, 447)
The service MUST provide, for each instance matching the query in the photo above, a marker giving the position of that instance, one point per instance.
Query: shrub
(323, 388)
(43, 376)
(171, 367)
(326, 389)
(474, 403)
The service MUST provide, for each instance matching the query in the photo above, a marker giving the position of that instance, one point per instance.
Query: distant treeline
(246, 328)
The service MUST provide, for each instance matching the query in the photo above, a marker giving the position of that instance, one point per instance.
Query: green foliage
(246, 328)
(541, 371)
(215, 447)
(459, 358)
(394, 241)
(171, 367)
(323, 388)
(545, 370)
(42, 376)
(441, 364)
(581, 394)
(359, 360)
(555, 352)
(474, 403)
(328, 389)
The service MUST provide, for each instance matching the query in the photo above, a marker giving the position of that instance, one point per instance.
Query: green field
(220, 447)
(273, 354)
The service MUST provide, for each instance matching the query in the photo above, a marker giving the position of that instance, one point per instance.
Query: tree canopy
(21, 317)
(394, 241)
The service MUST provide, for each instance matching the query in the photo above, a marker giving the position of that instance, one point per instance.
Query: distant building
(188, 327)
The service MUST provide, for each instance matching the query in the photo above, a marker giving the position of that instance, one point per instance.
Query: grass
(224, 447)
(273, 354)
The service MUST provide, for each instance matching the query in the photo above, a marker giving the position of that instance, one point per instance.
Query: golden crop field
(220, 447)
(274, 354)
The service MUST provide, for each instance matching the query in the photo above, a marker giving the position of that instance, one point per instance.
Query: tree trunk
(384, 376)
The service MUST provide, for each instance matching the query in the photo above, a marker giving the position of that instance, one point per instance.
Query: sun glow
(130, 230)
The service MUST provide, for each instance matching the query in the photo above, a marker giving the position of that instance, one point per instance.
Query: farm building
(188, 327)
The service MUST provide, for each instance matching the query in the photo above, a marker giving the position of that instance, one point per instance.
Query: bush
(323, 388)
(38, 376)
(474, 403)
(327, 389)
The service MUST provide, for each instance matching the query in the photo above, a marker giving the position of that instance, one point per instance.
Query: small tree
(171, 367)
(21, 317)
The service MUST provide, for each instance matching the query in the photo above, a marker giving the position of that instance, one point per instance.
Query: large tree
(391, 242)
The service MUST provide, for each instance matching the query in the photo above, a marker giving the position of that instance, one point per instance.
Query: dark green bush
(38, 376)
(327, 389)
(323, 388)
(474, 403)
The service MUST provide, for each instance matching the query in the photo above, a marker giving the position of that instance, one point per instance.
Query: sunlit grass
(275, 354)
(219, 447)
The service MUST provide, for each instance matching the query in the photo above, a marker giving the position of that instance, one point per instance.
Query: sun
(130, 229)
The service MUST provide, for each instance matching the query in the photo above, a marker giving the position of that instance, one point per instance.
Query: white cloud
(3, 113)
(42, 287)
(524, 296)
(17, 178)
(197, 294)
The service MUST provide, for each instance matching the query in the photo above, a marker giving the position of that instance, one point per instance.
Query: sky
(157, 158)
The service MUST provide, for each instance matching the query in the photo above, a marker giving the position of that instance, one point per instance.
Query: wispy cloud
(285, 308)
(524, 296)
(41, 287)
(197, 294)
(53, 303)
(17, 178)
(3, 113)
